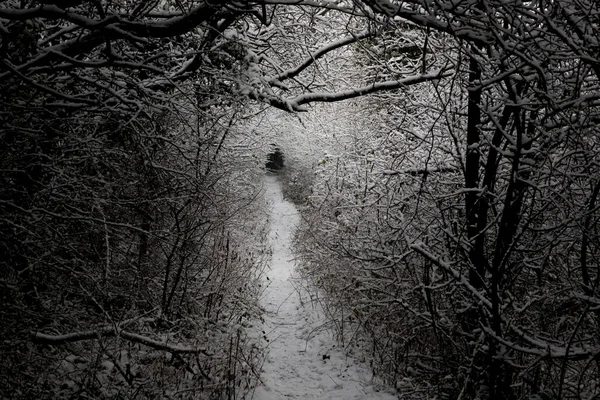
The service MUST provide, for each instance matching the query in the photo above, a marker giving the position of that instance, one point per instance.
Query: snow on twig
(418, 247)
(373, 88)
(319, 53)
(43, 338)
(539, 347)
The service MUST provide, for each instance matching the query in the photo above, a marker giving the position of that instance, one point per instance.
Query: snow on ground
(304, 360)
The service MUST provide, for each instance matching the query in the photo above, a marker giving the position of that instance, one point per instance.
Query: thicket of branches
(461, 233)
(125, 265)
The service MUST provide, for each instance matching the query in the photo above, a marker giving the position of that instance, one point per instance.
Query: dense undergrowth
(126, 268)
(384, 239)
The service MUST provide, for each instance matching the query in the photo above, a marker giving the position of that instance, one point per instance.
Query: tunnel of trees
(450, 217)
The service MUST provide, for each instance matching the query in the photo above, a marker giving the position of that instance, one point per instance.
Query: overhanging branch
(318, 54)
(296, 103)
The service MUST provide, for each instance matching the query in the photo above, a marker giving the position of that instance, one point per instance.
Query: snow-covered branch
(318, 54)
(420, 248)
(369, 89)
(296, 103)
(544, 349)
(421, 171)
(43, 338)
(173, 26)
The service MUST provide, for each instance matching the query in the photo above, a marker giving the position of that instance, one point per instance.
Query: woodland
(443, 154)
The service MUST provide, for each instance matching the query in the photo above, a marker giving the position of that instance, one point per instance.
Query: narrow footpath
(304, 360)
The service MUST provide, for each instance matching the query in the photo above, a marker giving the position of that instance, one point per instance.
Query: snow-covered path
(304, 360)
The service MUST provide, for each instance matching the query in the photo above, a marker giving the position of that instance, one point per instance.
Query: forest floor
(304, 360)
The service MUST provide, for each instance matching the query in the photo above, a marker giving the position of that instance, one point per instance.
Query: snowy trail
(304, 360)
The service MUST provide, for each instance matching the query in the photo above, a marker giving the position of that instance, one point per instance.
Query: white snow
(304, 361)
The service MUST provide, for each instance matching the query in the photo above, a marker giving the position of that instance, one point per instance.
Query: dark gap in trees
(275, 159)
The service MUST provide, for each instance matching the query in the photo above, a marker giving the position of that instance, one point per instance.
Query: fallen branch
(57, 340)
(134, 337)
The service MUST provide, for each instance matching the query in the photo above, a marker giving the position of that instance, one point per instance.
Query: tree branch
(422, 171)
(109, 331)
(318, 54)
(130, 29)
(296, 103)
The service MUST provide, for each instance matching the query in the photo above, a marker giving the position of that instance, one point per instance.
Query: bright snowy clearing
(304, 360)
